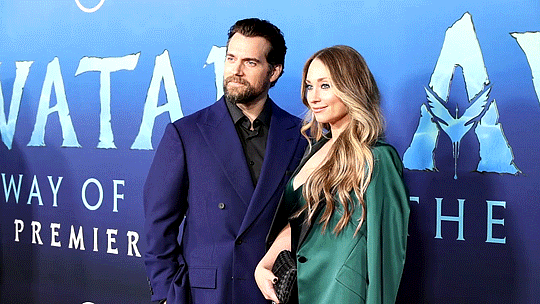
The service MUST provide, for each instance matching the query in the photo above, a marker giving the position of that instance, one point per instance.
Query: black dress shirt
(253, 141)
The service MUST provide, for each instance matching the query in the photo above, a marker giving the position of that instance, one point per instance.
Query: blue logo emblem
(460, 49)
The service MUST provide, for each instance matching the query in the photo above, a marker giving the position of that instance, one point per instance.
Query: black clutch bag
(285, 269)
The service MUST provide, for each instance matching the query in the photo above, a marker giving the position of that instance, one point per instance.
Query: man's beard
(242, 95)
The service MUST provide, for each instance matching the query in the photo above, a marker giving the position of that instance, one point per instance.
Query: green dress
(365, 268)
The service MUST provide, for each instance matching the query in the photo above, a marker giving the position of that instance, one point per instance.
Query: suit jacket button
(302, 259)
(238, 242)
(221, 206)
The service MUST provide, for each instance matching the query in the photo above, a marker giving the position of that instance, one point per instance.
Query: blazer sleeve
(387, 219)
(165, 204)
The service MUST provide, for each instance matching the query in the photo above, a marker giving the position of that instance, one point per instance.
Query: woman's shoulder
(386, 158)
(382, 149)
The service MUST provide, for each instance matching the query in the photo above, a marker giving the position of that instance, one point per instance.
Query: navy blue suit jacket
(205, 222)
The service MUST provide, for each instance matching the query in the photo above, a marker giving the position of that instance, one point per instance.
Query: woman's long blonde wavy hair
(348, 166)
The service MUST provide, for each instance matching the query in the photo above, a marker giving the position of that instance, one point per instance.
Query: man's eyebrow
(243, 59)
(251, 59)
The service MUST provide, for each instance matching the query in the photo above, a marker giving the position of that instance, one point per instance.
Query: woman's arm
(387, 223)
(263, 272)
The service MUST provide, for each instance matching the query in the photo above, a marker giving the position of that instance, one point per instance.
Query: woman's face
(325, 105)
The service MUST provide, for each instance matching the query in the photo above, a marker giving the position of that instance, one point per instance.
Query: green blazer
(365, 268)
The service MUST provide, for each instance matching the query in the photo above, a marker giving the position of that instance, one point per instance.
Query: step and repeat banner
(88, 86)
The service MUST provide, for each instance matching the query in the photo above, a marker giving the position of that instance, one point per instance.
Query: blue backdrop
(87, 87)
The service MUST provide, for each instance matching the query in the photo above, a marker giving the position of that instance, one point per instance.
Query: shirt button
(302, 259)
(221, 206)
(238, 242)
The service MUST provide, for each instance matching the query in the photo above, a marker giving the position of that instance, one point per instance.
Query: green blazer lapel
(281, 216)
(316, 146)
(304, 231)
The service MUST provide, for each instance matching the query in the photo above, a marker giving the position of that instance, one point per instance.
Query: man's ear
(276, 72)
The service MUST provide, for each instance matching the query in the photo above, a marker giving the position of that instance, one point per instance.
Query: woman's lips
(318, 109)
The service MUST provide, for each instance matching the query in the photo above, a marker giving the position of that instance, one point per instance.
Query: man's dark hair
(254, 27)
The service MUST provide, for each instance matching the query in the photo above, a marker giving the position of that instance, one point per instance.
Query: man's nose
(237, 68)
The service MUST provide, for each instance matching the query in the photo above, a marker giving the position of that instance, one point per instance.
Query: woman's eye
(325, 86)
(309, 87)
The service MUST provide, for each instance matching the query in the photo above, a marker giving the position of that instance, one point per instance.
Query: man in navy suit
(217, 177)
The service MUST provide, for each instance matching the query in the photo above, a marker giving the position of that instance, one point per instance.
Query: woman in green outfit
(345, 211)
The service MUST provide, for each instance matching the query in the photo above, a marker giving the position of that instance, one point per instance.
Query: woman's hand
(265, 280)
(263, 272)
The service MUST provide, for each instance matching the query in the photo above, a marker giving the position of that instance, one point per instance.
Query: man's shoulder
(195, 117)
(277, 110)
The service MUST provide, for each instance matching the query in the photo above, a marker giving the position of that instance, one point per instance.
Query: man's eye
(251, 63)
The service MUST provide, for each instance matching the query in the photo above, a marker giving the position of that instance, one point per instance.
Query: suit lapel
(280, 148)
(220, 136)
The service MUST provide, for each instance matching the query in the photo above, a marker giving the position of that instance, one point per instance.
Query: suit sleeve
(165, 204)
(387, 222)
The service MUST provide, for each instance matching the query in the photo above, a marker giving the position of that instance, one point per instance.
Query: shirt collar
(237, 114)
